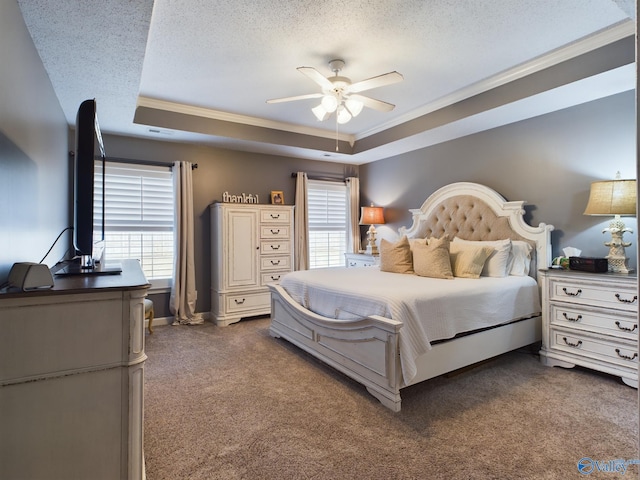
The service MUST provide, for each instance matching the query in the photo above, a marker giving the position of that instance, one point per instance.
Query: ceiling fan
(340, 95)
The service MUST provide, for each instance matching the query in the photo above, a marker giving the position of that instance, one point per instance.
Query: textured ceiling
(221, 60)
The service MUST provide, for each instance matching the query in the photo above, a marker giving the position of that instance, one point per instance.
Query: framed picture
(277, 197)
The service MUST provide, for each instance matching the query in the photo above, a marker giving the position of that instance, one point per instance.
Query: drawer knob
(275, 277)
(275, 216)
(572, 294)
(626, 357)
(626, 300)
(275, 247)
(626, 329)
(275, 232)
(575, 345)
(239, 302)
(576, 319)
(275, 262)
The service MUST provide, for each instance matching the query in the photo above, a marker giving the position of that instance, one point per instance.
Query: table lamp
(614, 198)
(371, 216)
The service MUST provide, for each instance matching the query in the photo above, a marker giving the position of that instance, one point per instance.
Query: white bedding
(430, 309)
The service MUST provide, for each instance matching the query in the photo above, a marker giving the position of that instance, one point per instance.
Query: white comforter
(430, 309)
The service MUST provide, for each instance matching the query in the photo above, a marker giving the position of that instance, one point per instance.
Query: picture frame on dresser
(277, 197)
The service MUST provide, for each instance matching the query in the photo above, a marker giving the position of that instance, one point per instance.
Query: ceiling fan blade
(375, 82)
(373, 103)
(317, 77)
(298, 97)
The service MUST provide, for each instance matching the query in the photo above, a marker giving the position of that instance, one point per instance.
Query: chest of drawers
(591, 320)
(252, 246)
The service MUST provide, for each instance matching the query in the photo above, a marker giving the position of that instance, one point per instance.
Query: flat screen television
(89, 149)
(88, 216)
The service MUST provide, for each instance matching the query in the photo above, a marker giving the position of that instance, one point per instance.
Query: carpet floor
(234, 403)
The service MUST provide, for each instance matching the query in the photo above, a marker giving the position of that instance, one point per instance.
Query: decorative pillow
(396, 257)
(414, 241)
(497, 263)
(520, 258)
(467, 261)
(432, 259)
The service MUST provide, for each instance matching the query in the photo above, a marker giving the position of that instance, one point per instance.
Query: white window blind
(139, 216)
(327, 214)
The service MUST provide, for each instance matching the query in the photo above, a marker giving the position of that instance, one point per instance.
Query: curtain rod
(142, 162)
(337, 178)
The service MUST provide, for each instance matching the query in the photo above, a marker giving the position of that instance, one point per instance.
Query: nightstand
(591, 320)
(361, 260)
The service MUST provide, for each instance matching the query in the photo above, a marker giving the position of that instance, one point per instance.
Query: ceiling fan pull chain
(337, 134)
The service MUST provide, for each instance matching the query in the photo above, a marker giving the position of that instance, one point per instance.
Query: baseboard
(164, 321)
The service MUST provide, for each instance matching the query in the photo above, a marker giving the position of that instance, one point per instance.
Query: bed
(390, 330)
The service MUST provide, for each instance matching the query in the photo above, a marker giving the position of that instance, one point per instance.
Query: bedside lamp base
(372, 248)
(617, 258)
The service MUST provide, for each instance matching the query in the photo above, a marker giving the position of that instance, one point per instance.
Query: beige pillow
(467, 260)
(432, 259)
(497, 263)
(396, 257)
(413, 241)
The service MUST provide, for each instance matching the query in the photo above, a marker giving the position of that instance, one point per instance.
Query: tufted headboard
(475, 212)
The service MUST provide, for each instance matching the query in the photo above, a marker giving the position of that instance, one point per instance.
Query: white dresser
(353, 260)
(591, 320)
(72, 378)
(252, 246)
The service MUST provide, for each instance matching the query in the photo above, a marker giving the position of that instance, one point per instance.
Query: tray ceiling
(202, 70)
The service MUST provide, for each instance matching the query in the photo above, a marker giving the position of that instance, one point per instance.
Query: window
(327, 209)
(139, 217)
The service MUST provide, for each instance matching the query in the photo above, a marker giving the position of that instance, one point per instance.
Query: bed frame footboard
(365, 350)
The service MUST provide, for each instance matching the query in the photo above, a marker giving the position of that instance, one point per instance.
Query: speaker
(30, 276)
(589, 264)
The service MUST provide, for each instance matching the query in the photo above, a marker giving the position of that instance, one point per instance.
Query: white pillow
(498, 262)
(520, 258)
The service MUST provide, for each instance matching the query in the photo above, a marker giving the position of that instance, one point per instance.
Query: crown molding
(604, 37)
(182, 108)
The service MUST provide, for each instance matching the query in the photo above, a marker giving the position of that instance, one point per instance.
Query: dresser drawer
(280, 262)
(247, 302)
(620, 324)
(273, 277)
(281, 247)
(617, 352)
(275, 231)
(275, 216)
(608, 296)
(355, 263)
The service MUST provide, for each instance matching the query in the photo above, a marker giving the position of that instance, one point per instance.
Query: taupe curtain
(353, 190)
(182, 301)
(301, 224)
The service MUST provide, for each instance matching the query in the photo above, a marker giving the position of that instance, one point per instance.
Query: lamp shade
(612, 197)
(371, 215)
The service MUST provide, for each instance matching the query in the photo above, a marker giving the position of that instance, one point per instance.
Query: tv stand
(74, 267)
(72, 378)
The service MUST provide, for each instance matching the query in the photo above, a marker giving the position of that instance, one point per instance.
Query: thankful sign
(241, 198)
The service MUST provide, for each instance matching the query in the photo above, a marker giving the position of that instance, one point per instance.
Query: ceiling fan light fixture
(330, 103)
(343, 115)
(338, 94)
(354, 106)
(321, 113)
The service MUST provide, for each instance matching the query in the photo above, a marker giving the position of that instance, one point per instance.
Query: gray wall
(34, 165)
(549, 161)
(220, 171)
